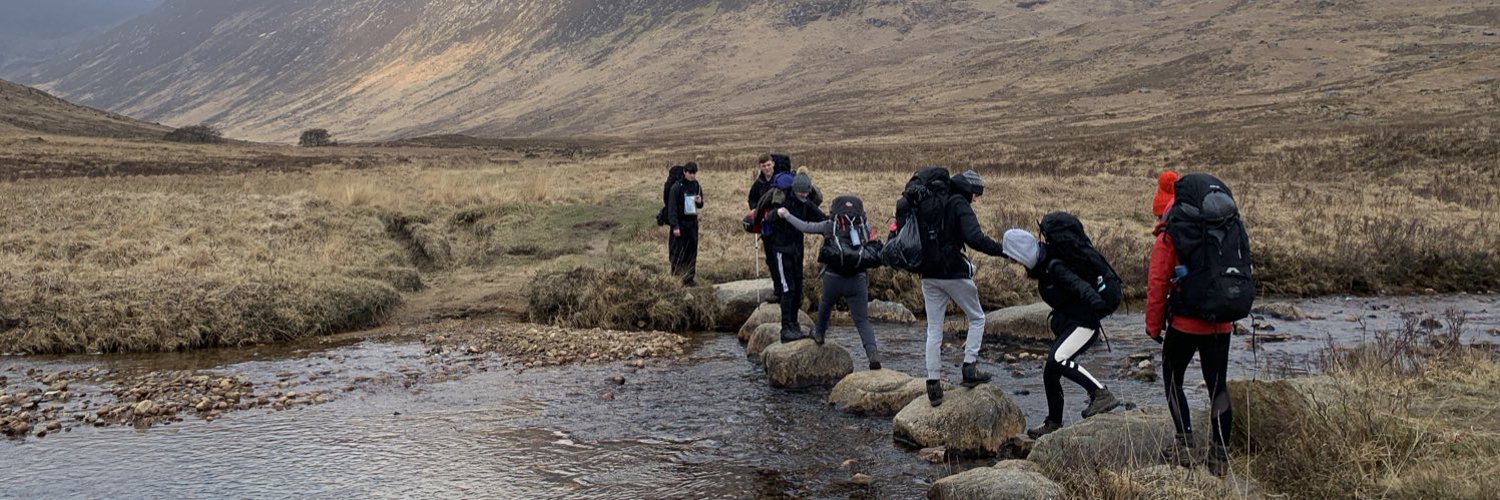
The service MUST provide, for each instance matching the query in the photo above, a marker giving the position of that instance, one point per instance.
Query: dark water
(703, 426)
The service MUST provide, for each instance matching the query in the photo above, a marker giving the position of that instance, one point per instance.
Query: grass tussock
(625, 298)
(101, 270)
(1410, 414)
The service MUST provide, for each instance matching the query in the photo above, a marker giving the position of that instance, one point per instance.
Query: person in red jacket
(1181, 337)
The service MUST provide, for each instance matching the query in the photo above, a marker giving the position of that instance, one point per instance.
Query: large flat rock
(974, 422)
(1023, 322)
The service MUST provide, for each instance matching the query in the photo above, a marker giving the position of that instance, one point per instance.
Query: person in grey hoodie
(844, 271)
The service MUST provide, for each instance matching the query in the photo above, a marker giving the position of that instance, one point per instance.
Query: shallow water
(706, 425)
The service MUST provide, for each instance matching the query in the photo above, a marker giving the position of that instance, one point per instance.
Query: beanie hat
(1021, 247)
(802, 184)
(970, 182)
(1166, 191)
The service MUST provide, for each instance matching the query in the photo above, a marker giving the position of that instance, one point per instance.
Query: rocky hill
(25, 110)
(784, 70)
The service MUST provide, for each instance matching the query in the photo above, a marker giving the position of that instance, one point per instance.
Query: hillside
(30, 111)
(785, 71)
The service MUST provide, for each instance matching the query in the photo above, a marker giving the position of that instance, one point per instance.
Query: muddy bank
(430, 419)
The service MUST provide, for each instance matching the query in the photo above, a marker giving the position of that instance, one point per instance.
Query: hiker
(1200, 282)
(944, 211)
(786, 244)
(684, 200)
(771, 166)
(1166, 190)
(1076, 282)
(848, 251)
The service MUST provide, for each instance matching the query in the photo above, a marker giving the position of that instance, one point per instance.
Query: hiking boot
(1181, 452)
(791, 334)
(1046, 428)
(874, 359)
(1101, 402)
(935, 392)
(874, 365)
(817, 335)
(1218, 461)
(973, 376)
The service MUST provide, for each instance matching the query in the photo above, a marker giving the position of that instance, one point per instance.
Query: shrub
(202, 133)
(316, 138)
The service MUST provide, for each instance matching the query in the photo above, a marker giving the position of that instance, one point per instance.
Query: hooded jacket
(1074, 301)
(959, 227)
(676, 216)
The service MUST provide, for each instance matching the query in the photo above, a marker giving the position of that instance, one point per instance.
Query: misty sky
(50, 19)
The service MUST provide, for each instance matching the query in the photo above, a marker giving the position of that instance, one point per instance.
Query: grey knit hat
(971, 182)
(802, 184)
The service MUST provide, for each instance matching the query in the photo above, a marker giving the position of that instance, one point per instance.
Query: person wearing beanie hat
(1077, 309)
(947, 273)
(787, 244)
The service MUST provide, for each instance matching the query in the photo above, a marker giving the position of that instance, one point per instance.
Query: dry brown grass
(80, 252)
(1410, 414)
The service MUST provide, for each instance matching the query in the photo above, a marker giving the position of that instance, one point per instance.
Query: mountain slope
(31, 111)
(782, 70)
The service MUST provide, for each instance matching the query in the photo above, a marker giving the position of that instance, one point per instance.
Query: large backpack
(782, 161)
(918, 238)
(1068, 242)
(850, 250)
(674, 175)
(781, 186)
(1212, 245)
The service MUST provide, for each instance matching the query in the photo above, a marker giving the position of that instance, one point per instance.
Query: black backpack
(673, 176)
(1068, 242)
(1212, 245)
(782, 161)
(850, 250)
(918, 237)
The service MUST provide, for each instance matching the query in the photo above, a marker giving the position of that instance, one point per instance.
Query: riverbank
(700, 423)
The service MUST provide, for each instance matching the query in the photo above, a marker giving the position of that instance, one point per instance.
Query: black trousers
(771, 265)
(1213, 354)
(786, 273)
(683, 252)
(1063, 362)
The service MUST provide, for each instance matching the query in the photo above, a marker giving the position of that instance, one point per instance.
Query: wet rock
(1006, 480)
(804, 363)
(1351, 318)
(1111, 441)
(861, 479)
(973, 422)
(618, 379)
(144, 407)
(1431, 323)
(769, 314)
(876, 392)
(741, 298)
(1281, 310)
(1025, 322)
(891, 312)
(764, 336)
(934, 454)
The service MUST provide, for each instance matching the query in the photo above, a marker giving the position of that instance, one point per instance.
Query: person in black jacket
(683, 202)
(787, 246)
(770, 164)
(947, 274)
(1075, 321)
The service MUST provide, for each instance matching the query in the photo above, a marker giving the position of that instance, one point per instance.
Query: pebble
(618, 379)
(862, 479)
(935, 454)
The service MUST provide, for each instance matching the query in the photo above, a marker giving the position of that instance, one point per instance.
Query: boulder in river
(1024, 322)
(804, 363)
(975, 422)
(1114, 441)
(764, 336)
(741, 298)
(876, 392)
(891, 312)
(1010, 479)
(770, 313)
